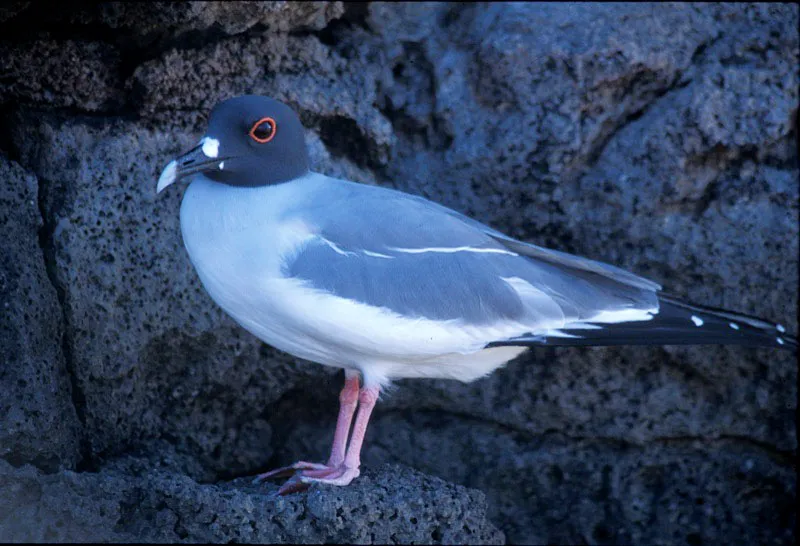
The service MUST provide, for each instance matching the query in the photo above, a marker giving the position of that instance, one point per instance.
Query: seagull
(389, 285)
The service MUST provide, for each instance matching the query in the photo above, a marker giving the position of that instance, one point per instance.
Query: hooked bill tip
(167, 176)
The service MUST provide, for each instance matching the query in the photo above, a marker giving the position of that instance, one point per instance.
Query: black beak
(192, 162)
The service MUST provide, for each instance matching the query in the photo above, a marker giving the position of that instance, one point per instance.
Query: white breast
(238, 239)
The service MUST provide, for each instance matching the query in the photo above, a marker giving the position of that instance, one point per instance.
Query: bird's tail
(677, 323)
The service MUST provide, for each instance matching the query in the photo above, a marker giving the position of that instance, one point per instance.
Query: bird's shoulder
(347, 210)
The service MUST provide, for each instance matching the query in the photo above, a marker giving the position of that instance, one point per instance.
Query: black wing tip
(669, 328)
(786, 343)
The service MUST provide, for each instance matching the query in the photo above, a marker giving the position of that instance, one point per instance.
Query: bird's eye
(263, 130)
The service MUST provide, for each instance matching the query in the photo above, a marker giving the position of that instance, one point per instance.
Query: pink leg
(348, 400)
(350, 470)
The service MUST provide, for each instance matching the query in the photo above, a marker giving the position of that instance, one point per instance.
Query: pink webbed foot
(303, 479)
(303, 474)
(340, 476)
(343, 465)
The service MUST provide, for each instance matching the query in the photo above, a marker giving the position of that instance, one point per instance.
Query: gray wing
(393, 250)
(551, 256)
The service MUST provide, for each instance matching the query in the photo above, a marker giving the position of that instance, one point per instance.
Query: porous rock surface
(660, 138)
(38, 423)
(132, 501)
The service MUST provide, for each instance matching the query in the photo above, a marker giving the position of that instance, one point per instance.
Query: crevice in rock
(780, 456)
(413, 73)
(459, 11)
(582, 164)
(49, 20)
(355, 15)
(784, 457)
(781, 154)
(6, 140)
(44, 238)
(344, 137)
(612, 127)
(702, 52)
(729, 161)
(52, 22)
(709, 196)
(48, 255)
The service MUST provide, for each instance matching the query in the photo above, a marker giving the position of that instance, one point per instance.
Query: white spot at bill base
(779, 340)
(221, 165)
(734, 325)
(210, 147)
(780, 328)
(697, 320)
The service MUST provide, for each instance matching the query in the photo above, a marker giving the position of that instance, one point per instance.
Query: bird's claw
(290, 470)
(303, 474)
(293, 485)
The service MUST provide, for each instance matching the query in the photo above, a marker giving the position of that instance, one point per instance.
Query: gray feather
(445, 285)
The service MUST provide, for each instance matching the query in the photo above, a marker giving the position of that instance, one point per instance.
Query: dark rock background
(661, 138)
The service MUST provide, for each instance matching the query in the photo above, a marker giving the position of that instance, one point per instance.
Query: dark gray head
(250, 141)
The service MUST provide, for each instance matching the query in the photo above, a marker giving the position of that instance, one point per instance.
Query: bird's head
(251, 141)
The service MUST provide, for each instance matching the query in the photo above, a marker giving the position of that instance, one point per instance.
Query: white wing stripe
(377, 254)
(336, 248)
(450, 250)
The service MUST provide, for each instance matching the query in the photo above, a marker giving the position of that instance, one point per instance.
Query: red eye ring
(257, 125)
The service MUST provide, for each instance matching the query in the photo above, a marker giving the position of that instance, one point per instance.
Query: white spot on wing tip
(210, 147)
(780, 328)
(221, 165)
(779, 340)
(733, 325)
(697, 320)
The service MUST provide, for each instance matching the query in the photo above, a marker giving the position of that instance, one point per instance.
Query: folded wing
(421, 260)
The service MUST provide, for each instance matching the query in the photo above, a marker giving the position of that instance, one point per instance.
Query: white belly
(237, 256)
(237, 241)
